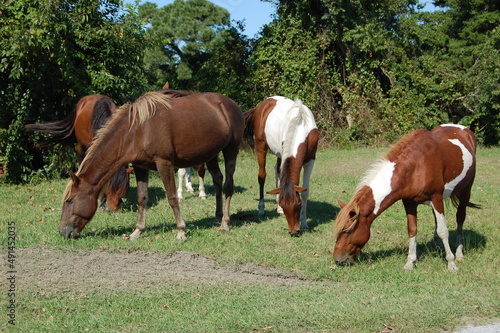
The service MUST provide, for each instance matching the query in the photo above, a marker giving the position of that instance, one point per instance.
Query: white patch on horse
(462, 127)
(287, 126)
(468, 160)
(379, 180)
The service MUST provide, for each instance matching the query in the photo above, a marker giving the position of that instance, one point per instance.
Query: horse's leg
(142, 178)
(464, 198)
(304, 196)
(442, 230)
(182, 174)
(277, 168)
(201, 179)
(189, 185)
(213, 168)
(230, 166)
(261, 150)
(411, 220)
(166, 171)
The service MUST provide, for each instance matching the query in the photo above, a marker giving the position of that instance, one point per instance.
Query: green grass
(374, 295)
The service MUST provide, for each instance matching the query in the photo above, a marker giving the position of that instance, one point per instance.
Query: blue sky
(254, 13)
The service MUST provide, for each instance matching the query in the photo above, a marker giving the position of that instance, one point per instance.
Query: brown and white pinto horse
(155, 133)
(288, 129)
(80, 126)
(423, 167)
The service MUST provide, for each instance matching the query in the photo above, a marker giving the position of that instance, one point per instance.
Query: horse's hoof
(132, 239)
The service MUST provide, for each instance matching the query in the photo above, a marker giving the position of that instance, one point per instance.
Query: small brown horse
(423, 167)
(80, 126)
(288, 129)
(156, 134)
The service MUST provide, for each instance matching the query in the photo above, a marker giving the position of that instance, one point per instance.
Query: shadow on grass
(157, 194)
(473, 241)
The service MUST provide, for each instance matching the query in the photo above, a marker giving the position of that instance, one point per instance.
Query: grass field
(374, 295)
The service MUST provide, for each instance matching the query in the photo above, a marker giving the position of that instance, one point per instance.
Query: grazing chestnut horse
(155, 133)
(81, 125)
(424, 167)
(288, 129)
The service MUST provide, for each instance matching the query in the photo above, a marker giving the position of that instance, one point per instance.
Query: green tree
(53, 52)
(197, 48)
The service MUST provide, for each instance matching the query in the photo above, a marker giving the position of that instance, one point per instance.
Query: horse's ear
(75, 178)
(275, 191)
(341, 203)
(299, 188)
(166, 85)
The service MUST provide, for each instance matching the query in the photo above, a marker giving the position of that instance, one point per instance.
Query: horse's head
(79, 205)
(289, 200)
(352, 231)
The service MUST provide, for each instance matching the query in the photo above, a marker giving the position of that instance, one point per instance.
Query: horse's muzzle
(296, 233)
(344, 260)
(69, 232)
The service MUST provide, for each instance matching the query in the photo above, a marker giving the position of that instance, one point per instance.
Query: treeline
(371, 71)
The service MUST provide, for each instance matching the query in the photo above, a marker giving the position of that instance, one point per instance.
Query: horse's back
(198, 125)
(279, 117)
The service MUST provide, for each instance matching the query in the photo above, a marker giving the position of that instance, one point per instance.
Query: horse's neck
(379, 181)
(99, 167)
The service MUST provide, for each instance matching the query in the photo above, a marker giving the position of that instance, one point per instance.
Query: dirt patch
(52, 270)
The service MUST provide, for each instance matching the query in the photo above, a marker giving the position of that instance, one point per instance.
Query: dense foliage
(370, 70)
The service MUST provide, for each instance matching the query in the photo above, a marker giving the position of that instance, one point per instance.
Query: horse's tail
(248, 134)
(103, 110)
(456, 201)
(60, 131)
(117, 187)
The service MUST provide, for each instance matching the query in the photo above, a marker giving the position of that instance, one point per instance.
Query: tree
(197, 48)
(52, 53)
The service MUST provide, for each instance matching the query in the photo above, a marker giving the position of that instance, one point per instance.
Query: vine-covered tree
(54, 52)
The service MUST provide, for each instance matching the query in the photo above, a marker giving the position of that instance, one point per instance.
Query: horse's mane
(138, 112)
(291, 130)
(287, 192)
(407, 141)
(344, 215)
(103, 110)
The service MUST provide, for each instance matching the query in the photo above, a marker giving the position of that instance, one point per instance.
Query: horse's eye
(70, 200)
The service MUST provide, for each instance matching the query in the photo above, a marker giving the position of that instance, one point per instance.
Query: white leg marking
(181, 173)
(443, 233)
(412, 253)
(201, 188)
(135, 235)
(304, 196)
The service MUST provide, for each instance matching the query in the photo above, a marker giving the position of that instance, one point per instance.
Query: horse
(154, 133)
(81, 125)
(424, 167)
(184, 175)
(287, 128)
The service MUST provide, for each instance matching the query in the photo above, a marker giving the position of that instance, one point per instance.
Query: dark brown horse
(80, 126)
(155, 133)
(288, 129)
(423, 167)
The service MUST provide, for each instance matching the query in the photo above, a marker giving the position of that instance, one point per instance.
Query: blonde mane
(139, 112)
(344, 216)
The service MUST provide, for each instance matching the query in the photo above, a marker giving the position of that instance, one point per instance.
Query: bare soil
(52, 270)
